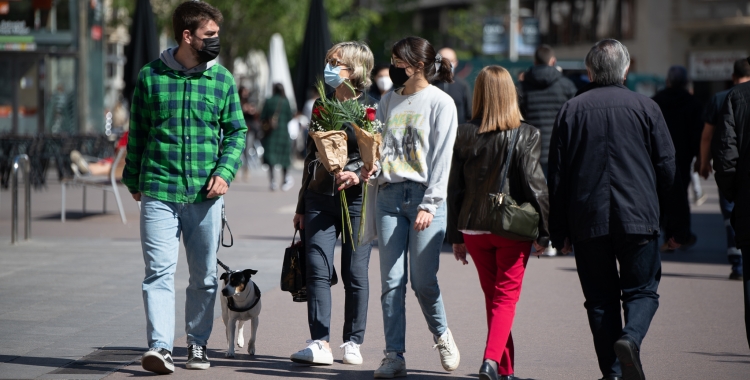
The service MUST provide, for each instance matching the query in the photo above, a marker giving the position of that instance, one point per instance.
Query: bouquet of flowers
(369, 138)
(326, 126)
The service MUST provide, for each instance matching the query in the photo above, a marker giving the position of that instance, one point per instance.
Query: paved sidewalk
(70, 305)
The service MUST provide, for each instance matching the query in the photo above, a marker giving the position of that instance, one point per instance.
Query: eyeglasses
(399, 63)
(336, 63)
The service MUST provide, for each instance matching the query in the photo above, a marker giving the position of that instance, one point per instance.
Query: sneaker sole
(387, 376)
(631, 369)
(153, 363)
(356, 361)
(198, 366)
(303, 361)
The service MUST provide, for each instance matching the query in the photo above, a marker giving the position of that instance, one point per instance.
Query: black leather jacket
(477, 170)
(318, 179)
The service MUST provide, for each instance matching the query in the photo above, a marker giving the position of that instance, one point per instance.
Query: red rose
(317, 111)
(370, 114)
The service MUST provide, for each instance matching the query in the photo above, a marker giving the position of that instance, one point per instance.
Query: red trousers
(501, 264)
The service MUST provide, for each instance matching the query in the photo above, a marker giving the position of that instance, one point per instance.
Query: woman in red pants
(479, 156)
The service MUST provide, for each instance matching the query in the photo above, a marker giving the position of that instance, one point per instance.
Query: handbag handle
(511, 146)
(294, 237)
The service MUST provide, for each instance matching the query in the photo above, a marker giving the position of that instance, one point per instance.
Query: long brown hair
(495, 100)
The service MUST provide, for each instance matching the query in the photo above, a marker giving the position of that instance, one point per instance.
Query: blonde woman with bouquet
(319, 214)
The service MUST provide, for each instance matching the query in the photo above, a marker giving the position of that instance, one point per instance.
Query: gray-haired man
(611, 170)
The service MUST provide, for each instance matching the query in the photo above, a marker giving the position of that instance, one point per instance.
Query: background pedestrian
(611, 169)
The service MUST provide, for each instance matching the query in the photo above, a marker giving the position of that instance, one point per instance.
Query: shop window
(34, 16)
(584, 21)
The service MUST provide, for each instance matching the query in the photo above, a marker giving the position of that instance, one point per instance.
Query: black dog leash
(224, 224)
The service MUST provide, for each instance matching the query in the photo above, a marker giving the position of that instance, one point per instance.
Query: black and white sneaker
(197, 357)
(158, 360)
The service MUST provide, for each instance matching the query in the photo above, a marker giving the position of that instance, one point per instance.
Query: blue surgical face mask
(331, 76)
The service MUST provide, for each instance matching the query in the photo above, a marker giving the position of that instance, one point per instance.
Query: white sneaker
(315, 353)
(449, 355)
(391, 366)
(550, 251)
(351, 353)
(288, 183)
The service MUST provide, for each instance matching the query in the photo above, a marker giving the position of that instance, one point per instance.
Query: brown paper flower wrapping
(331, 149)
(369, 146)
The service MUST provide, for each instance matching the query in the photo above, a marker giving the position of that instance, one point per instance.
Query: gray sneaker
(158, 360)
(391, 366)
(197, 357)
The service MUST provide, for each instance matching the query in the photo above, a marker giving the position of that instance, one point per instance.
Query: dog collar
(230, 301)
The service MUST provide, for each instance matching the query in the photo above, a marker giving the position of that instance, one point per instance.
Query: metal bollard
(17, 164)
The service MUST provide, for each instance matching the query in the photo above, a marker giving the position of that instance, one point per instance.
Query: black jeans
(636, 284)
(746, 289)
(322, 228)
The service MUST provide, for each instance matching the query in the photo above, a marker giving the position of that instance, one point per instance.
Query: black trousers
(746, 289)
(603, 287)
(323, 225)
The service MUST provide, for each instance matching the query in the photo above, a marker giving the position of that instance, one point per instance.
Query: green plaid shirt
(175, 124)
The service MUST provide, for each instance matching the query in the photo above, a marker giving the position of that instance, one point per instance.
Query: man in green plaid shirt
(178, 166)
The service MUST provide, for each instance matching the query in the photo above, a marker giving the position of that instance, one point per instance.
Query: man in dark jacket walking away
(730, 148)
(682, 112)
(712, 118)
(541, 94)
(611, 169)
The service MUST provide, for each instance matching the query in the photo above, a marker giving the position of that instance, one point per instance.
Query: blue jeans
(322, 229)
(161, 226)
(603, 287)
(397, 209)
(726, 212)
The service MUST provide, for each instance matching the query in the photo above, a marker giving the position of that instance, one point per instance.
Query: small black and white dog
(240, 302)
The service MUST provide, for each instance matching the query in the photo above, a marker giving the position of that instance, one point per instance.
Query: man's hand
(673, 244)
(136, 196)
(424, 219)
(568, 248)
(299, 220)
(217, 186)
(367, 173)
(459, 252)
(538, 247)
(705, 170)
(346, 180)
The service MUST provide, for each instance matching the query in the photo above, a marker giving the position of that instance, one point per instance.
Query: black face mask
(398, 76)
(210, 51)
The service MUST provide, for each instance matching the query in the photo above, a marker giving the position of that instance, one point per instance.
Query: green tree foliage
(249, 24)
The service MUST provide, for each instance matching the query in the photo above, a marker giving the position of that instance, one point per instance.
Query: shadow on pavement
(100, 362)
(726, 355)
(679, 275)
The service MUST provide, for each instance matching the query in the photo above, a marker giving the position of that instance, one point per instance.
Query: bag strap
(511, 147)
(294, 237)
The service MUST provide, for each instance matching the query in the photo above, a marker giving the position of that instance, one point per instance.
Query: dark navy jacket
(611, 168)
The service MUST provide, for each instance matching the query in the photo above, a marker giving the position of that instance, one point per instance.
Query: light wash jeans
(161, 226)
(397, 209)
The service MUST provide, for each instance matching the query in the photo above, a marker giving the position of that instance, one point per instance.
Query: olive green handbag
(507, 218)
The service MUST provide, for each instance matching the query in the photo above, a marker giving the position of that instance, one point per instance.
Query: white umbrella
(279, 69)
(257, 65)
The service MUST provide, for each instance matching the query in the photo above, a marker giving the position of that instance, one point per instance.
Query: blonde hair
(358, 57)
(496, 100)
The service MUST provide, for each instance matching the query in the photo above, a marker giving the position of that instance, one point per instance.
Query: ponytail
(444, 72)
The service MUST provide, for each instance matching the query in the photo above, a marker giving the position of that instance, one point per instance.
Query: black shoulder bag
(294, 272)
(507, 218)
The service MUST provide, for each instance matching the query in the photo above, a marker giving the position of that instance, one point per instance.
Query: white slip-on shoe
(314, 353)
(351, 353)
(449, 355)
(391, 366)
